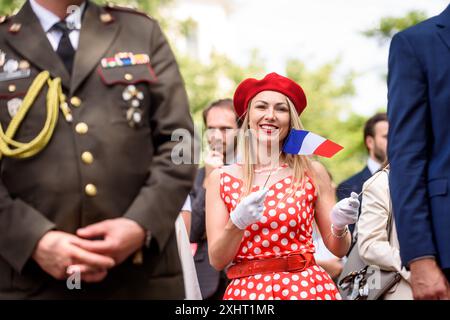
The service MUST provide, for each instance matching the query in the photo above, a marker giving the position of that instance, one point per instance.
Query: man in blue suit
(375, 139)
(419, 152)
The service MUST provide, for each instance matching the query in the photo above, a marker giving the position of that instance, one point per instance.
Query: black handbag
(360, 281)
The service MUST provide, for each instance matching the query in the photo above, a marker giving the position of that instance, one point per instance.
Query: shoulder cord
(55, 98)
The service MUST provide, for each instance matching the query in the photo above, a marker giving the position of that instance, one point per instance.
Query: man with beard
(221, 123)
(375, 139)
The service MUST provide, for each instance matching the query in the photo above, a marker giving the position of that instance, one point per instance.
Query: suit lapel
(31, 42)
(366, 173)
(95, 39)
(443, 24)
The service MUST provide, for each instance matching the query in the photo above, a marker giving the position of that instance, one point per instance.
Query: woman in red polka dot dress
(263, 235)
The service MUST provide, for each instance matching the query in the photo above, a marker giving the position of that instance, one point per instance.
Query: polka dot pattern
(283, 286)
(284, 229)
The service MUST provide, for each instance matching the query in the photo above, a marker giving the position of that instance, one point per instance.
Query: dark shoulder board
(130, 9)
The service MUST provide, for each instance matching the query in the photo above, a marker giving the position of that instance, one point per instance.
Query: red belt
(291, 263)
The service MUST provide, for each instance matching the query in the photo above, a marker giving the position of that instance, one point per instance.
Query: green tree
(7, 7)
(217, 79)
(388, 26)
(154, 8)
(328, 115)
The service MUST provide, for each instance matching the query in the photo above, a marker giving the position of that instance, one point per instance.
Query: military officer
(89, 98)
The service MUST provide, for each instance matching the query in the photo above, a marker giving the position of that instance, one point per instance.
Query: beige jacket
(373, 244)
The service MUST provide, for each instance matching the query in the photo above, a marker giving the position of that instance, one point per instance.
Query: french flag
(306, 143)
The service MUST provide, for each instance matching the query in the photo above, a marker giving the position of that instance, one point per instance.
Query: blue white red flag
(303, 142)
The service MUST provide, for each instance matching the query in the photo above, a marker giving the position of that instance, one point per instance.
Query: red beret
(250, 87)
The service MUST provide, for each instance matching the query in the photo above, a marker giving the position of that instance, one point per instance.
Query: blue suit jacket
(353, 184)
(419, 138)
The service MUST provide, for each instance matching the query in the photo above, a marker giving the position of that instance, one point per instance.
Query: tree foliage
(215, 80)
(7, 7)
(388, 26)
(327, 114)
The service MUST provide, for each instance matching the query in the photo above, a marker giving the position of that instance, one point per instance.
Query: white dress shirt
(373, 165)
(187, 205)
(48, 19)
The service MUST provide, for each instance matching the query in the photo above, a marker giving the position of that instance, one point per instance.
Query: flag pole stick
(378, 174)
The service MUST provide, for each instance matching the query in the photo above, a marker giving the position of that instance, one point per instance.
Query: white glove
(249, 210)
(345, 211)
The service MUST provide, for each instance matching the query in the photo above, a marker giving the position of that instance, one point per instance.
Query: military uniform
(112, 160)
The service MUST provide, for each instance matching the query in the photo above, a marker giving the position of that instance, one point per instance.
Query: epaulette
(126, 8)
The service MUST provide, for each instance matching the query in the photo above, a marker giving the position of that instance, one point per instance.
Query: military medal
(13, 69)
(129, 92)
(14, 106)
(134, 117)
(123, 59)
(11, 66)
(135, 103)
(24, 65)
(133, 97)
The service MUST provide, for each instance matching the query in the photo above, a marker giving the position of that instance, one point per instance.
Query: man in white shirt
(48, 19)
(222, 126)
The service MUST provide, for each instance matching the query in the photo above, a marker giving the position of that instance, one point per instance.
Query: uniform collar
(373, 165)
(48, 19)
(31, 43)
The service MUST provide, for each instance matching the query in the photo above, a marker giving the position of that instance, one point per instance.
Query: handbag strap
(391, 210)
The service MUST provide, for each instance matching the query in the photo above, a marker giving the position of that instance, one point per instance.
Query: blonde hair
(299, 164)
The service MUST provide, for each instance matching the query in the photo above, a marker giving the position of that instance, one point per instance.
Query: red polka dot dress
(285, 228)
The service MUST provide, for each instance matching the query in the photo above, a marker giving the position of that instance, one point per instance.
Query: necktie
(65, 49)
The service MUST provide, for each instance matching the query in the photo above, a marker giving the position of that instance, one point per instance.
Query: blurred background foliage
(328, 112)
(388, 26)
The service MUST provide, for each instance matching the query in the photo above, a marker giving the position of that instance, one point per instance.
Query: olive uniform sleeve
(161, 197)
(21, 227)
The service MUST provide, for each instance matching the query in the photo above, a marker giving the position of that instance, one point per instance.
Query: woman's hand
(345, 212)
(249, 210)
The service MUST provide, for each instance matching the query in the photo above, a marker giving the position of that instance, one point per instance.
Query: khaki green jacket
(130, 169)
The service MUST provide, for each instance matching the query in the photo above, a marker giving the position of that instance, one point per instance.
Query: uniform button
(90, 189)
(106, 18)
(75, 101)
(81, 128)
(87, 157)
(12, 88)
(128, 76)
